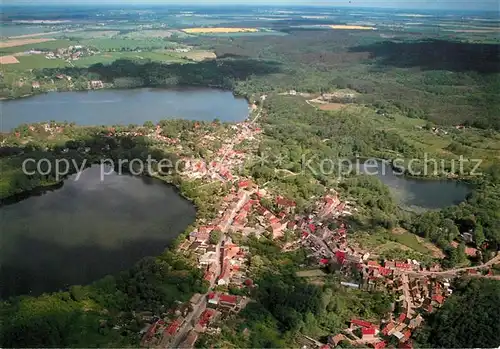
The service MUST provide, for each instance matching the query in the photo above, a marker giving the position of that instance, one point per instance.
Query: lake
(420, 194)
(124, 107)
(87, 229)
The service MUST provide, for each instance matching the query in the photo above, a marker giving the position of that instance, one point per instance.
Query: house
(368, 333)
(96, 84)
(205, 318)
(380, 345)
(35, 85)
(335, 340)
(190, 340)
(228, 300)
(172, 328)
(213, 298)
(360, 323)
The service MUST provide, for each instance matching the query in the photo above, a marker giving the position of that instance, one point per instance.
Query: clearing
(332, 106)
(310, 273)
(21, 42)
(8, 60)
(199, 55)
(219, 30)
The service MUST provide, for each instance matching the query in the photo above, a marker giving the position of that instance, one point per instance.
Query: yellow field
(219, 30)
(21, 42)
(357, 27)
(8, 60)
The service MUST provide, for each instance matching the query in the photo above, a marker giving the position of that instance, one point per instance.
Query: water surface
(87, 229)
(420, 194)
(134, 106)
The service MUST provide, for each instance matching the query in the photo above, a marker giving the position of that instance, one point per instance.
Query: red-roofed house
(406, 336)
(388, 328)
(380, 345)
(368, 333)
(361, 323)
(373, 264)
(402, 317)
(172, 328)
(324, 261)
(228, 300)
(312, 227)
(438, 298)
(340, 255)
(244, 184)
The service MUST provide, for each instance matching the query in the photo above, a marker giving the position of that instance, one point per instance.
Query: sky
(480, 5)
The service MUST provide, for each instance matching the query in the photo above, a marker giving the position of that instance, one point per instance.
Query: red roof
(211, 295)
(384, 271)
(373, 263)
(324, 261)
(402, 317)
(387, 328)
(362, 323)
(380, 345)
(285, 202)
(312, 227)
(172, 328)
(370, 331)
(225, 298)
(305, 234)
(407, 335)
(438, 298)
(244, 184)
(340, 256)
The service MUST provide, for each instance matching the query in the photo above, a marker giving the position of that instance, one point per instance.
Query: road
(455, 271)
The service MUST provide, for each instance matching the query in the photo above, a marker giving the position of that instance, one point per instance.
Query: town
(323, 234)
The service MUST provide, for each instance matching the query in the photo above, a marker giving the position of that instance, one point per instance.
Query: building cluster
(222, 167)
(71, 53)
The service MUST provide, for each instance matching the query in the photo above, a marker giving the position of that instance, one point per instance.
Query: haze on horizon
(479, 5)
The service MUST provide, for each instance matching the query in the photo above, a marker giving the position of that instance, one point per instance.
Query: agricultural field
(153, 33)
(8, 60)
(91, 34)
(219, 30)
(34, 62)
(46, 44)
(109, 57)
(21, 42)
(351, 27)
(121, 44)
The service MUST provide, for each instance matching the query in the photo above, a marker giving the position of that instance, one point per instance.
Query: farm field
(91, 34)
(8, 60)
(153, 33)
(117, 44)
(218, 30)
(50, 44)
(352, 27)
(34, 62)
(110, 57)
(22, 42)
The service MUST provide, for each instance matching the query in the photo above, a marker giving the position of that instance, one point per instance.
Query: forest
(469, 319)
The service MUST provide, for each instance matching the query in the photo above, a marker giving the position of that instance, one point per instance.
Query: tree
(479, 235)
(215, 236)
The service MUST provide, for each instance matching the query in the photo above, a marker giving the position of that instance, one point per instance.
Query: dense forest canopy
(469, 319)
